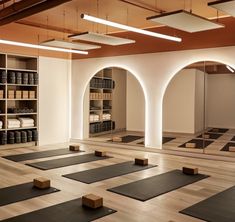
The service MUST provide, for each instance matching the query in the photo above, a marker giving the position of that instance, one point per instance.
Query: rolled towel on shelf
(26, 122)
(13, 123)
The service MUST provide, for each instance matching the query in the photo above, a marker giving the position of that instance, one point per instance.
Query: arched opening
(114, 108)
(198, 109)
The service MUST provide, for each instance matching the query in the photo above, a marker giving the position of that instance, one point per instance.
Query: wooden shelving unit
(101, 90)
(8, 105)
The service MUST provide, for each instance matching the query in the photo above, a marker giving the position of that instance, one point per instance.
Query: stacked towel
(13, 123)
(26, 122)
(1, 124)
(94, 118)
(106, 116)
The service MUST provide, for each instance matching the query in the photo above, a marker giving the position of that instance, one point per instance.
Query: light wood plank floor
(162, 208)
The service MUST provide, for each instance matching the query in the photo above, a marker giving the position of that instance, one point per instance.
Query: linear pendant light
(29, 45)
(129, 28)
(230, 68)
(227, 6)
(185, 21)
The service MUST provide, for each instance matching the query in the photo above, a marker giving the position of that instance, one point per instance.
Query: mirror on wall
(114, 104)
(198, 110)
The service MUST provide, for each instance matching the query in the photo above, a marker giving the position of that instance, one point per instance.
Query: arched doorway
(114, 106)
(198, 109)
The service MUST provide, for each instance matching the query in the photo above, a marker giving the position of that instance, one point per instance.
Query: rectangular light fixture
(227, 6)
(101, 38)
(29, 45)
(69, 45)
(185, 21)
(129, 28)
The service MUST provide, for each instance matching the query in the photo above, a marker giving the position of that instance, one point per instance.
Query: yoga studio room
(117, 110)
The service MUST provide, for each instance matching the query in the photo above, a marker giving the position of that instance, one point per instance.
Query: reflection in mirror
(115, 102)
(198, 110)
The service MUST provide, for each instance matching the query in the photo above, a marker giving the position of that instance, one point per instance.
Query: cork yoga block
(42, 183)
(232, 149)
(92, 201)
(190, 145)
(190, 171)
(215, 130)
(206, 136)
(74, 147)
(100, 153)
(117, 139)
(141, 161)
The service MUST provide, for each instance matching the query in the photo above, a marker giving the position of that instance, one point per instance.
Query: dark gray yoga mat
(128, 139)
(157, 185)
(226, 147)
(220, 130)
(164, 140)
(218, 208)
(22, 192)
(70, 211)
(38, 155)
(106, 172)
(213, 136)
(200, 143)
(67, 161)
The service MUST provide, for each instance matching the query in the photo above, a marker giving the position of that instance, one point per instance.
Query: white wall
(135, 109)
(179, 103)
(153, 71)
(54, 84)
(199, 102)
(221, 101)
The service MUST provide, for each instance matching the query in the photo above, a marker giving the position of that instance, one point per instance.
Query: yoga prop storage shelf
(101, 95)
(18, 100)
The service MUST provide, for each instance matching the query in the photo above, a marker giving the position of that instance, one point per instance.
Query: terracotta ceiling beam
(4, 1)
(143, 6)
(18, 7)
(28, 11)
(47, 27)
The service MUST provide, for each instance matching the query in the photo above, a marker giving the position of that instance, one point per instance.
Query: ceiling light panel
(227, 6)
(70, 45)
(185, 21)
(101, 38)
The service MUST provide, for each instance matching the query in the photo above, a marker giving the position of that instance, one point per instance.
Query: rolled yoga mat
(67, 161)
(71, 211)
(200, 144)
(218, 208)
(38, 155)
(22, 192)
(157, 185)
(106, 172)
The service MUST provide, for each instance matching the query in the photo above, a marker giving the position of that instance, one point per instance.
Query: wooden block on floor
(74, 147)
(206, 136)
(141, 161)
(100, 153)
(117, 139)
(231, 148)
(190, 145)
(190, 171)
(42, 183)
(215, 130)
(92, 201)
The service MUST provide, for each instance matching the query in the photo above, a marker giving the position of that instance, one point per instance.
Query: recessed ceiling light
(227, 6)
(185, 21)
(101, 38)
(129, 28)
(29, 45)
(69, 45)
